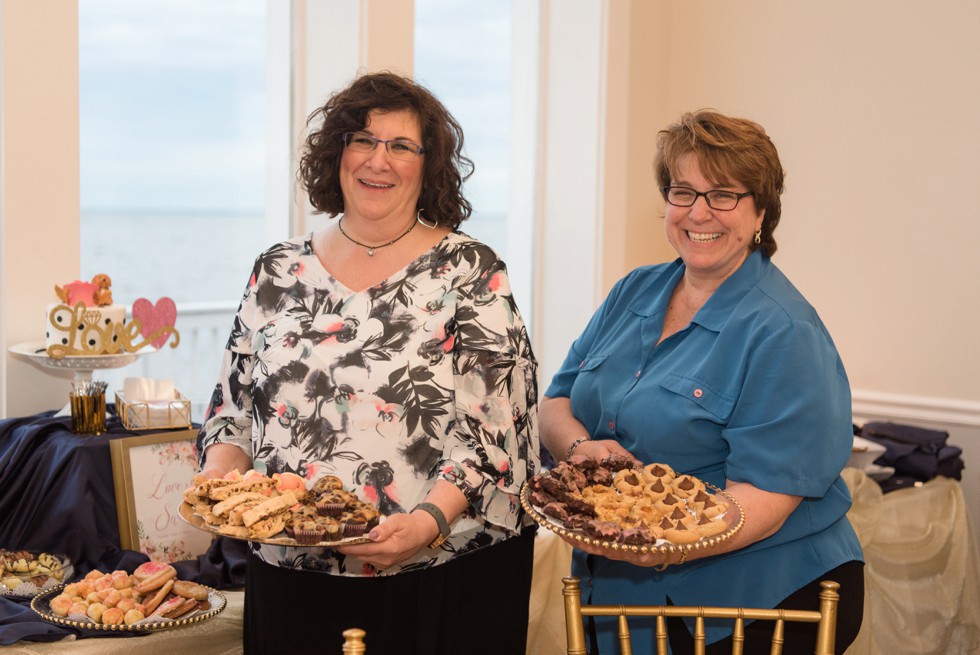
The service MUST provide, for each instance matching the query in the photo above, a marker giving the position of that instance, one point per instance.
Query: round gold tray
(186, 512)
(733, 517)
(42, 605)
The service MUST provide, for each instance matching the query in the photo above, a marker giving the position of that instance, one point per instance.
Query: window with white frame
(175, 102)
(172, 128)
(464, 54)
(173, 112)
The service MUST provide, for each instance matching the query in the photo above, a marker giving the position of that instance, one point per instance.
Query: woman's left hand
(398, 538)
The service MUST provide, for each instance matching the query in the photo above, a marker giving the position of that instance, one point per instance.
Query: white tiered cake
(85, 322)
(95, 328)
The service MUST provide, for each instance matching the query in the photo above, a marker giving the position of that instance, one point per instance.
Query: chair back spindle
(354, 641)
(825, 618)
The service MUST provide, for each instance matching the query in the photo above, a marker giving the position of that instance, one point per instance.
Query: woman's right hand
(601, 448)
(560, 431)
(220, 459)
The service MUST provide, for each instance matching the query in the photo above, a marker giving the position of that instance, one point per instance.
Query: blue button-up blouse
(753, 390)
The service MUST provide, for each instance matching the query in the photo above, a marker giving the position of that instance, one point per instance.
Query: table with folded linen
(922, 572)
(913, 453)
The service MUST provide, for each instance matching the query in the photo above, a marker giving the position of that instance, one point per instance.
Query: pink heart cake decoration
(154, 317)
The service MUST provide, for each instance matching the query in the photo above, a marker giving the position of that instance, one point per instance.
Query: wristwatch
(436, 513)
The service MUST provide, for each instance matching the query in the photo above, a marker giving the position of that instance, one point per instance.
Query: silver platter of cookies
(280, 510)
(26, 573)
(618, 504)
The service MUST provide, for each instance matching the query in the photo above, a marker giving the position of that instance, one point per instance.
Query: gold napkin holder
(154, 415)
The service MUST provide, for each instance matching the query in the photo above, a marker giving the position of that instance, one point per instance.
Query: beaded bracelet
(575, 444)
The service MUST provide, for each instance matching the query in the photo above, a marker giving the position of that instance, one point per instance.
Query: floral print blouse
(426, 375)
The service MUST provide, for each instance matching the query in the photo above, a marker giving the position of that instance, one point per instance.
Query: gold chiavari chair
(826, 617)
(354, 641)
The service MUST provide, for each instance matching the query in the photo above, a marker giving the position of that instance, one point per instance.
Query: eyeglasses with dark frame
(682, 196)
(397, 148)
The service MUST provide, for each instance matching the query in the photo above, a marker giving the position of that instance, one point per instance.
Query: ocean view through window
(462, 54)
(465, 54)
(173, 124)
(178, 100)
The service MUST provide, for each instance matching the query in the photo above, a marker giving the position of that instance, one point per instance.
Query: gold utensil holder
(87, 413)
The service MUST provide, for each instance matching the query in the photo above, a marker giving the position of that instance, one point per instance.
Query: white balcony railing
(194, 364)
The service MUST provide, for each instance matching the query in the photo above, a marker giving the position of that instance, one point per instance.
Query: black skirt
(474, 604)
(799, 637)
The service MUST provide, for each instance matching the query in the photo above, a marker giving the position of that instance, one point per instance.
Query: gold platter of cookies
(619, 505)
(151, 598)
(279, 510)
(41, 604)
(186, 513)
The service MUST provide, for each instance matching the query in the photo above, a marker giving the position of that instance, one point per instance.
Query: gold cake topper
(154, 322)
(84, 325)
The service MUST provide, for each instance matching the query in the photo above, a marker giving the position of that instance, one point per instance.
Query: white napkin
(148, 390)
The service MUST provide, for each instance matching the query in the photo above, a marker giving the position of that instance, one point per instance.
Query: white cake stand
(81, 366)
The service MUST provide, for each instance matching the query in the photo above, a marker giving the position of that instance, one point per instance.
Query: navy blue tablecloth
(57, 495)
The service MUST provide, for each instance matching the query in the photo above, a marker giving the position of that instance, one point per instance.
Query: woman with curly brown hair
(386, 350)
(717, 366)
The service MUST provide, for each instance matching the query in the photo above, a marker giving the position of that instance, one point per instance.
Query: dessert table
(221, 635)
(57, 495)
(56, 489)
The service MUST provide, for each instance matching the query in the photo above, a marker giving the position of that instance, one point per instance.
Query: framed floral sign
(150, 473)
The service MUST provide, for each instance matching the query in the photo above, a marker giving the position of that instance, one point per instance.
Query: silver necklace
(371, 249)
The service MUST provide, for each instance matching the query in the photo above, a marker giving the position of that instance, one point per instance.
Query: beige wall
(875, 109)
(648, 110)
(38, 187)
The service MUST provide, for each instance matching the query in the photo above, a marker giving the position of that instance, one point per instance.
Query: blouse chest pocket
(587, 388)
(591, 363)
(697, 391)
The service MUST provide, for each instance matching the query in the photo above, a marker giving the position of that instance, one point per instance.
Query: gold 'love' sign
(84, 328)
